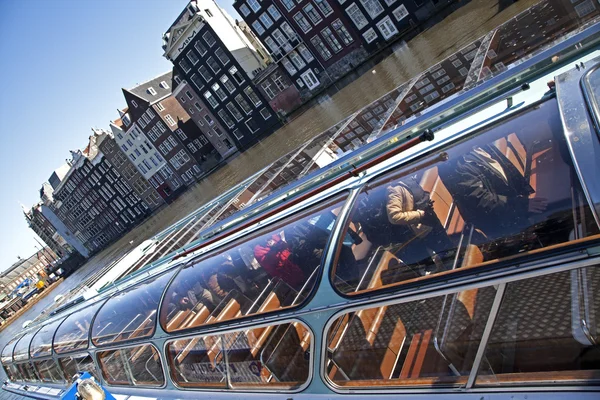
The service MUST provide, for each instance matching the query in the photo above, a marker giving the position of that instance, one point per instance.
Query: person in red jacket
(275, 257)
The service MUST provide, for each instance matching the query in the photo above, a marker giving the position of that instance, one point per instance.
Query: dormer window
(164, 85)
(152, 91)
(126, 120)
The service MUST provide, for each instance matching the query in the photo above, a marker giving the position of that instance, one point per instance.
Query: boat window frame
(343, 196)
(31, 332)
(58, 367)
(13, 341)
(102, 347)
(128, 371)
(76, 355)
(540, 268)
(414, 162)
(228, 389)
(89, 333)
(52, 352)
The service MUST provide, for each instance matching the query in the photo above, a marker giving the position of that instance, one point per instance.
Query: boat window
(276, 356)
(21, 351)
(130, 315)
(274, 269)
(12, 372)
(547, 330)
(77, 363)
(429, 342)
(74, 332)
(41, 344)
(137, 366)
(7, 351)
(511, 190)
(27, 372)
(48, 371)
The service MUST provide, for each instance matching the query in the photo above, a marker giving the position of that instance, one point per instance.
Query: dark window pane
(145, 365)
(27, 372)
(425, 342)
(275, 357)
(143, 362)
(507, 191)
(75, 364)
(273, 269)
(48, 371)
(113, 367)
(546, 331)
(73, 333)
(41, 344)
(131, 314)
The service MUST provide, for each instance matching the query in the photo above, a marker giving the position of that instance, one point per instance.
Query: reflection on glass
(7, 351)
(113, 367)
(546, 331)
(27, 372)
(130, 314)
(12, 372)
(21, 350)
(73, 333)
(426, 342)
(512, 189)
(276, 268)
(143, 362)
(276, 356)
(41, 344)
(48, 371)
(78, 363)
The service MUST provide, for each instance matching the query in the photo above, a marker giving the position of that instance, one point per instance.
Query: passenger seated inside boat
(507, 190)
(274, 269)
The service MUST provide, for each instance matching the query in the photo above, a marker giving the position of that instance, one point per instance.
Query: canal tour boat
(456, 256)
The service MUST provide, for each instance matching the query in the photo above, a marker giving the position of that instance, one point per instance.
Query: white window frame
(245, 10)
(309, 78)
(373, 7)
(170, 120)
(387, 23)
(400, 13)
(356, 14)
(370, 35)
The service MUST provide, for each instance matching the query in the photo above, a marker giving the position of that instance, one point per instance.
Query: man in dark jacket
(490, 192)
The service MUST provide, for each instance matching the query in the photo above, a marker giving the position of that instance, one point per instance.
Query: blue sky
(62, 67)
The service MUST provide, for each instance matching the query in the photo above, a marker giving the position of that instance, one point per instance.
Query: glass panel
(273, 269)
(74, 364)
(7, 351)
(143, 362)
(12, 372)
(421, 343)
(41, 344)
(73, 333)
(21, 351)
(546, 331)
(48, 371)
(131, 314)
(27, 372)
(113, 367)
(276, 356)
(510, 190)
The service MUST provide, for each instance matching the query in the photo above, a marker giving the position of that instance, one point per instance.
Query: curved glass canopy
(21, 350)
(131, 314)
(73, 333)
(7, 351)
(41, 344)
(273, 269)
